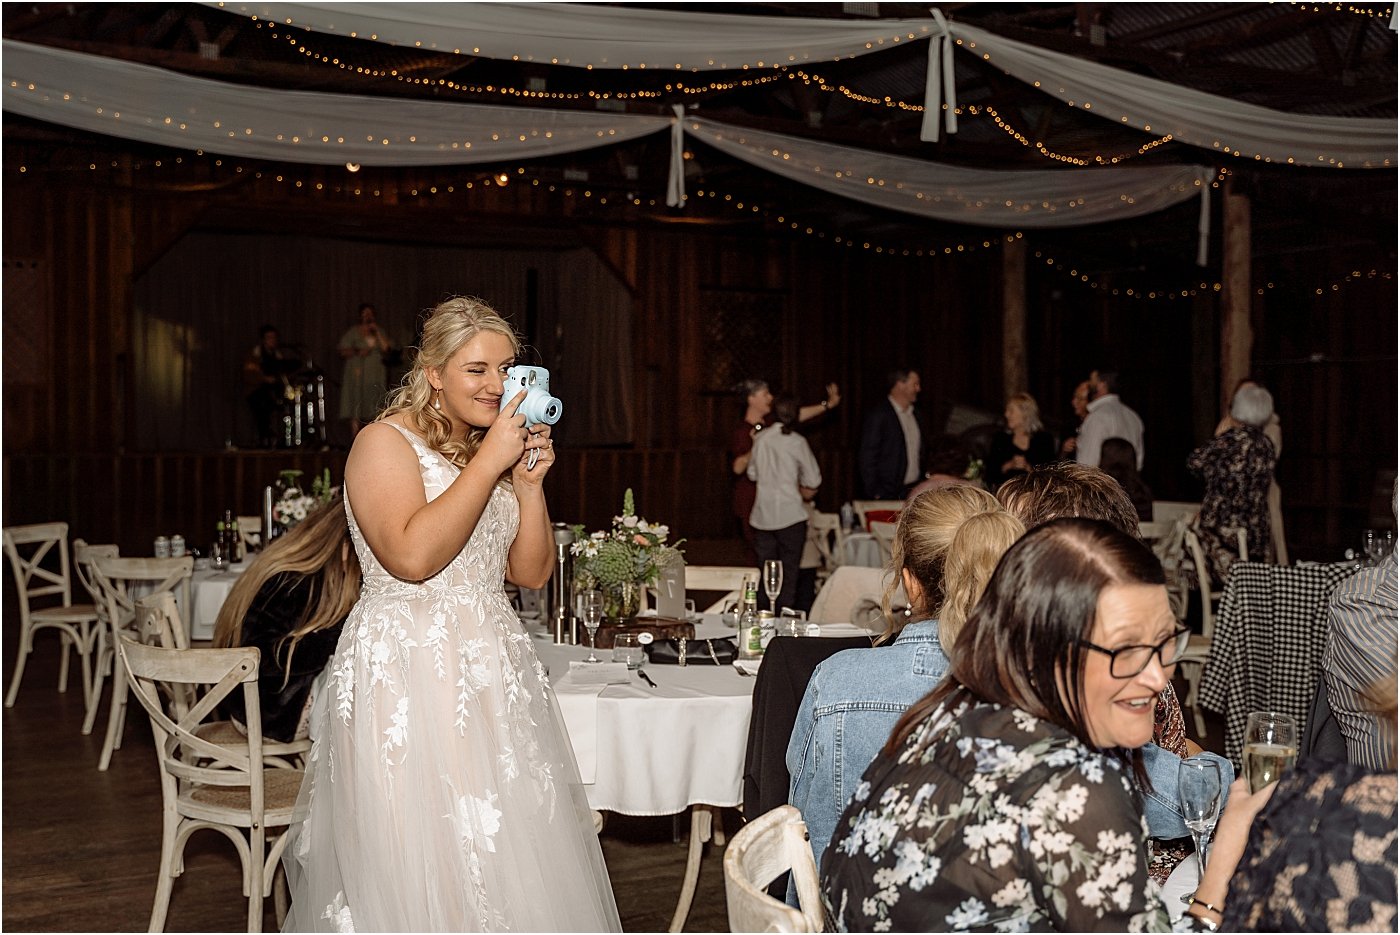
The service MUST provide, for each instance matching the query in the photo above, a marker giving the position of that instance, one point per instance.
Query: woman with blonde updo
(446, 796)
(946, 546)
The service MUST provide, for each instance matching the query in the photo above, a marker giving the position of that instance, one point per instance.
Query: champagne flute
(772, 582)
(1270, 747)
(591, 603)
(1372, 546)
(1198, 789)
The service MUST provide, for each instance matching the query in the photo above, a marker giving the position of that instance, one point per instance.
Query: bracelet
(1206, 906)
(825, 405)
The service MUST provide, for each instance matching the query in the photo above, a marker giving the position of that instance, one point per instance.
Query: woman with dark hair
(1005, 799)
(1118, 459)
(291, 604)
(786, 474)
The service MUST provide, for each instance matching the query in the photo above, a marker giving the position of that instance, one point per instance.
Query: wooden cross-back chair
(225, 787)
(767, 847)
(120, 581)
(38, 557)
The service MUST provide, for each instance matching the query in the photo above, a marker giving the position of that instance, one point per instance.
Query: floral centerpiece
(621, 560)
(293, 504)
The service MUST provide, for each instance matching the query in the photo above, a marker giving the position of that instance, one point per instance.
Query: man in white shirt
(1107, 418)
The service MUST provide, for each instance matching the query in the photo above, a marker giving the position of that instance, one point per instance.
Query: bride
(441, 792)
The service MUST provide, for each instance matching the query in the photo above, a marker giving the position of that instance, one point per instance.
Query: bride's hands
(506, 438)
(540, 441)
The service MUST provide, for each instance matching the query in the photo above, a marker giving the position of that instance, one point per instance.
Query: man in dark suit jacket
(890, 434)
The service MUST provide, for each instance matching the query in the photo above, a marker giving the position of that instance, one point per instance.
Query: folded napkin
(598, 673)
(578, 704)
(749, 665)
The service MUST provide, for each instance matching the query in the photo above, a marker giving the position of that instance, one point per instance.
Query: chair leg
(116, 720)
(67, 643)
(257, 850)
(99, 675)
(165, 880)
(85, 656)
(701, 826)
(281, 896)
(26, 646)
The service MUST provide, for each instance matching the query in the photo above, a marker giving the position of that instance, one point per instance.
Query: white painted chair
(1197, 654)
(250, 531)
(862, 507)
(726, 578)
(120, 581)
(883, 534)
(224, 787)
(38, 555)
(767, 847)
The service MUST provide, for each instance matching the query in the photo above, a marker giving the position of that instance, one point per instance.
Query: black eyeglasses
(1127, 661)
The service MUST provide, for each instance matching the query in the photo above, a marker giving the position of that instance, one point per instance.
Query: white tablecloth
(209, 589)
(861, 549)
(657, 751)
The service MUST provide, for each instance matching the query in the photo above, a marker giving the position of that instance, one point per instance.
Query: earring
(437, 401)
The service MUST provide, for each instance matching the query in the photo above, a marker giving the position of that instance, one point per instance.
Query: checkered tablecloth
(1266, 653)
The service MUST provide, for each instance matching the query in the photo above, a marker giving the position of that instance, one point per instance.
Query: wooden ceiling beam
(1215, 14)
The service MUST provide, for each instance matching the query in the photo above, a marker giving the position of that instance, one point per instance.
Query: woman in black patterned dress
(1237, 466)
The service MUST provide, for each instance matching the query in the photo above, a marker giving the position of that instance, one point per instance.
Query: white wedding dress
(441, 792)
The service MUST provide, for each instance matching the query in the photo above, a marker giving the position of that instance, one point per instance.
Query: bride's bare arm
(412, 537)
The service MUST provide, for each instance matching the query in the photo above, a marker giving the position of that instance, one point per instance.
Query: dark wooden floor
(81, 847)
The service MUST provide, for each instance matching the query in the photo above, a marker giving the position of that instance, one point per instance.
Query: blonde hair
(1026, 403)
(318, 548)
(448, 329)
(978, 545)
(923, 545)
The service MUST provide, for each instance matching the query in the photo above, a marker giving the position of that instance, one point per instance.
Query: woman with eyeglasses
(1007, 799)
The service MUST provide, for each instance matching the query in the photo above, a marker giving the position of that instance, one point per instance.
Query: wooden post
(1014, 376)
(1236, 334)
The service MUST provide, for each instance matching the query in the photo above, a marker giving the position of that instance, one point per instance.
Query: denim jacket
(855, 698)
(852, 702)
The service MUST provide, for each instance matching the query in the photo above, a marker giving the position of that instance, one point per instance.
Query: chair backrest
(183, 755)
(765, 848)
(117, 579)
(863, 507)
(883, 534)
(250, 531)
(826, 537)
(1169, 511)
(27, 548)
(158, 621)
(726, 578)
(849, 587)
(83, 556)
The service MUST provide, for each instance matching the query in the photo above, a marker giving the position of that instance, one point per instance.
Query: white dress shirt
(779, 464)
(913, 470)
(1108, 418)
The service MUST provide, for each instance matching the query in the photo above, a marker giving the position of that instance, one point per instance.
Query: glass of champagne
(591, 603)
(772, 582)
(1270, 747)
(1372, 546)
(1199, 791)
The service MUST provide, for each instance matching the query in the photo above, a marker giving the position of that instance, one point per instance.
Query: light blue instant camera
(538, 407)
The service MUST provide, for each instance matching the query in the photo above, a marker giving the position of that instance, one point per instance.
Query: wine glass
(590, 602)
(772, 582)
(1270, 747)
(1373, 546)
(1198, 788)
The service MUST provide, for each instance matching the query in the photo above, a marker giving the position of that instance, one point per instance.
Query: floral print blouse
(990, 819)
(1237, 466)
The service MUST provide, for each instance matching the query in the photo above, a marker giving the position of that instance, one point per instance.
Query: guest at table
(1119, 461)
(947, 467)
(1069, 489)
(1079, 402)
(1320, 854)
(946, 546)
(786, 475)
(291, 604)
(758, 407)
(1107, 417)
(1025, 443)
(1362, 632)
(891, 442)
(1005, 799)
(265, 373)
(1237, 466)
(363, 383)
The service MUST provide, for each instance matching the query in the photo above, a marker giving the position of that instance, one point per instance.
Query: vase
(621, 603)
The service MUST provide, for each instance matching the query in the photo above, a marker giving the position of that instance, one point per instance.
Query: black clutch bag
(717, 652)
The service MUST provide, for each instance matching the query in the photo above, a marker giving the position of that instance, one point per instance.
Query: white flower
(339, 913)
(475, 817)
(969, 914)
(1017, 891)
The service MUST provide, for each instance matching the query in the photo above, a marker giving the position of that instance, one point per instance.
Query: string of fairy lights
(1372, 12)
(498, 180)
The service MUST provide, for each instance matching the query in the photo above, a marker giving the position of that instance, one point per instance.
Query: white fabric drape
(140, 102)
(990, 197)
(594, 36)
(1159, 107)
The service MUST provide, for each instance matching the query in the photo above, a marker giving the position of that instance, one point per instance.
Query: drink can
(756, 638)
(162, 547)
(177, 546)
